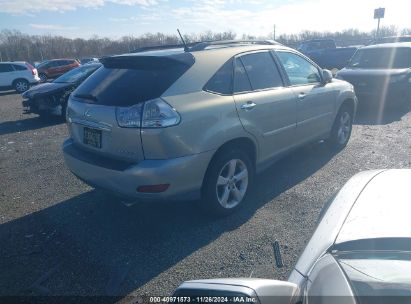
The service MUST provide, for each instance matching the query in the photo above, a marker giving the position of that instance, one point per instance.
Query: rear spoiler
(147, 62)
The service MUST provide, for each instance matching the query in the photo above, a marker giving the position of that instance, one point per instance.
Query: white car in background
(17, 75)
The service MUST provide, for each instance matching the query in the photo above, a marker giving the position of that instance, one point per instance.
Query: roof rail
(203, 45)
(162, 47)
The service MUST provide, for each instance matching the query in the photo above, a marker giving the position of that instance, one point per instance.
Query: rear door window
(241, 81)
(262, 71)
(4, 68)
(125, 82)
(19, 67)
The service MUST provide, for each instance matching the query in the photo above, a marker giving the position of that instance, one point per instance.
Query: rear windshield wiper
(86, 96)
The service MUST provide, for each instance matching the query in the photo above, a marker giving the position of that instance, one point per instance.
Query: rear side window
(222, 81)
(4, 68)
(262, 71)
(19, 67)
(143, 79)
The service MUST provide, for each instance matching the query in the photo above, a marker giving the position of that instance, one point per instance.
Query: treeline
(15, 45)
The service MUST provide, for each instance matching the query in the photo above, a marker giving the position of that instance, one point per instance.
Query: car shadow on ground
(32, 123)
(93, 245)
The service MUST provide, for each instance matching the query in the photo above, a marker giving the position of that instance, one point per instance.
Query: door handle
(301, 96)
(248, 106)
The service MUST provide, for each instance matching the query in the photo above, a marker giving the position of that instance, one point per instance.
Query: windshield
(77, 74)
(382, 58)
(371, 273)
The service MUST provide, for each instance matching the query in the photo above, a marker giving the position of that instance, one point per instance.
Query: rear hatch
(122, 85)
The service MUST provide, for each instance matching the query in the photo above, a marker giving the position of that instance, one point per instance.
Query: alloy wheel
(344, 128)
(21, 86)
(232, 183)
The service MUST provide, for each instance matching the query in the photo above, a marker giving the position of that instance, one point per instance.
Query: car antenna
(182, 39)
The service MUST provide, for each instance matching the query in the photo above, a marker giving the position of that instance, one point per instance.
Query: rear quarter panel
(207, 122)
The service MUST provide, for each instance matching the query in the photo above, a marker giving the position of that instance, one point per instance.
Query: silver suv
(198, 122)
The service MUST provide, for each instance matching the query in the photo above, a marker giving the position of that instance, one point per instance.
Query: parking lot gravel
(60, 237)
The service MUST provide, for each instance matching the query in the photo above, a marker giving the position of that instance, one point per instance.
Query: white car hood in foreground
(383, 209)
(372, 204)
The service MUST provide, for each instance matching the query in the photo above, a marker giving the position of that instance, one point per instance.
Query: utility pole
(274, 33)
(378, 14)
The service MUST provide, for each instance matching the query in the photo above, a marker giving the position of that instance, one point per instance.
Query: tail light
(31, 68)
(154, 113)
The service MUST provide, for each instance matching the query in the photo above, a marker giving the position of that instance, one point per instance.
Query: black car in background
(51, 98)
(333, 59)
(381, 74)
(326, 54)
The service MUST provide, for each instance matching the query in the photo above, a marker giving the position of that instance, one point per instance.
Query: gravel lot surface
(60, 237)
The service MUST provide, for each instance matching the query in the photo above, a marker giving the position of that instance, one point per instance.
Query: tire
(342, 128)
(231, 192)
(21, 85)
(43, 77)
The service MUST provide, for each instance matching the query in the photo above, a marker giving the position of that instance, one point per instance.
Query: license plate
(92, 137)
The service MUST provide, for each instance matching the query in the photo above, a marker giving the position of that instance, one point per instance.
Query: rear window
(19, 67)
(128, 81)
(382, 58)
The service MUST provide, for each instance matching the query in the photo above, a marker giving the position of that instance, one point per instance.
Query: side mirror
(327, 76)
(241, 290)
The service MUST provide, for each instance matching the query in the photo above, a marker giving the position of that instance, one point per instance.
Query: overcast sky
(115, 18)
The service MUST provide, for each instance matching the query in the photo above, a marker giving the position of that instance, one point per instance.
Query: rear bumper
(184, 174)
(46, 104)
(35, 80)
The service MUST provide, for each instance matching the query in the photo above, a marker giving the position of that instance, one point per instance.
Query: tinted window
(222, 81)
(299, 70)
(44, 65)
(6, 68)
(262, 71)
(241, 82)
(51, 64)
(148, 78)
(19, 67)
(382, 58)
(76, 75)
